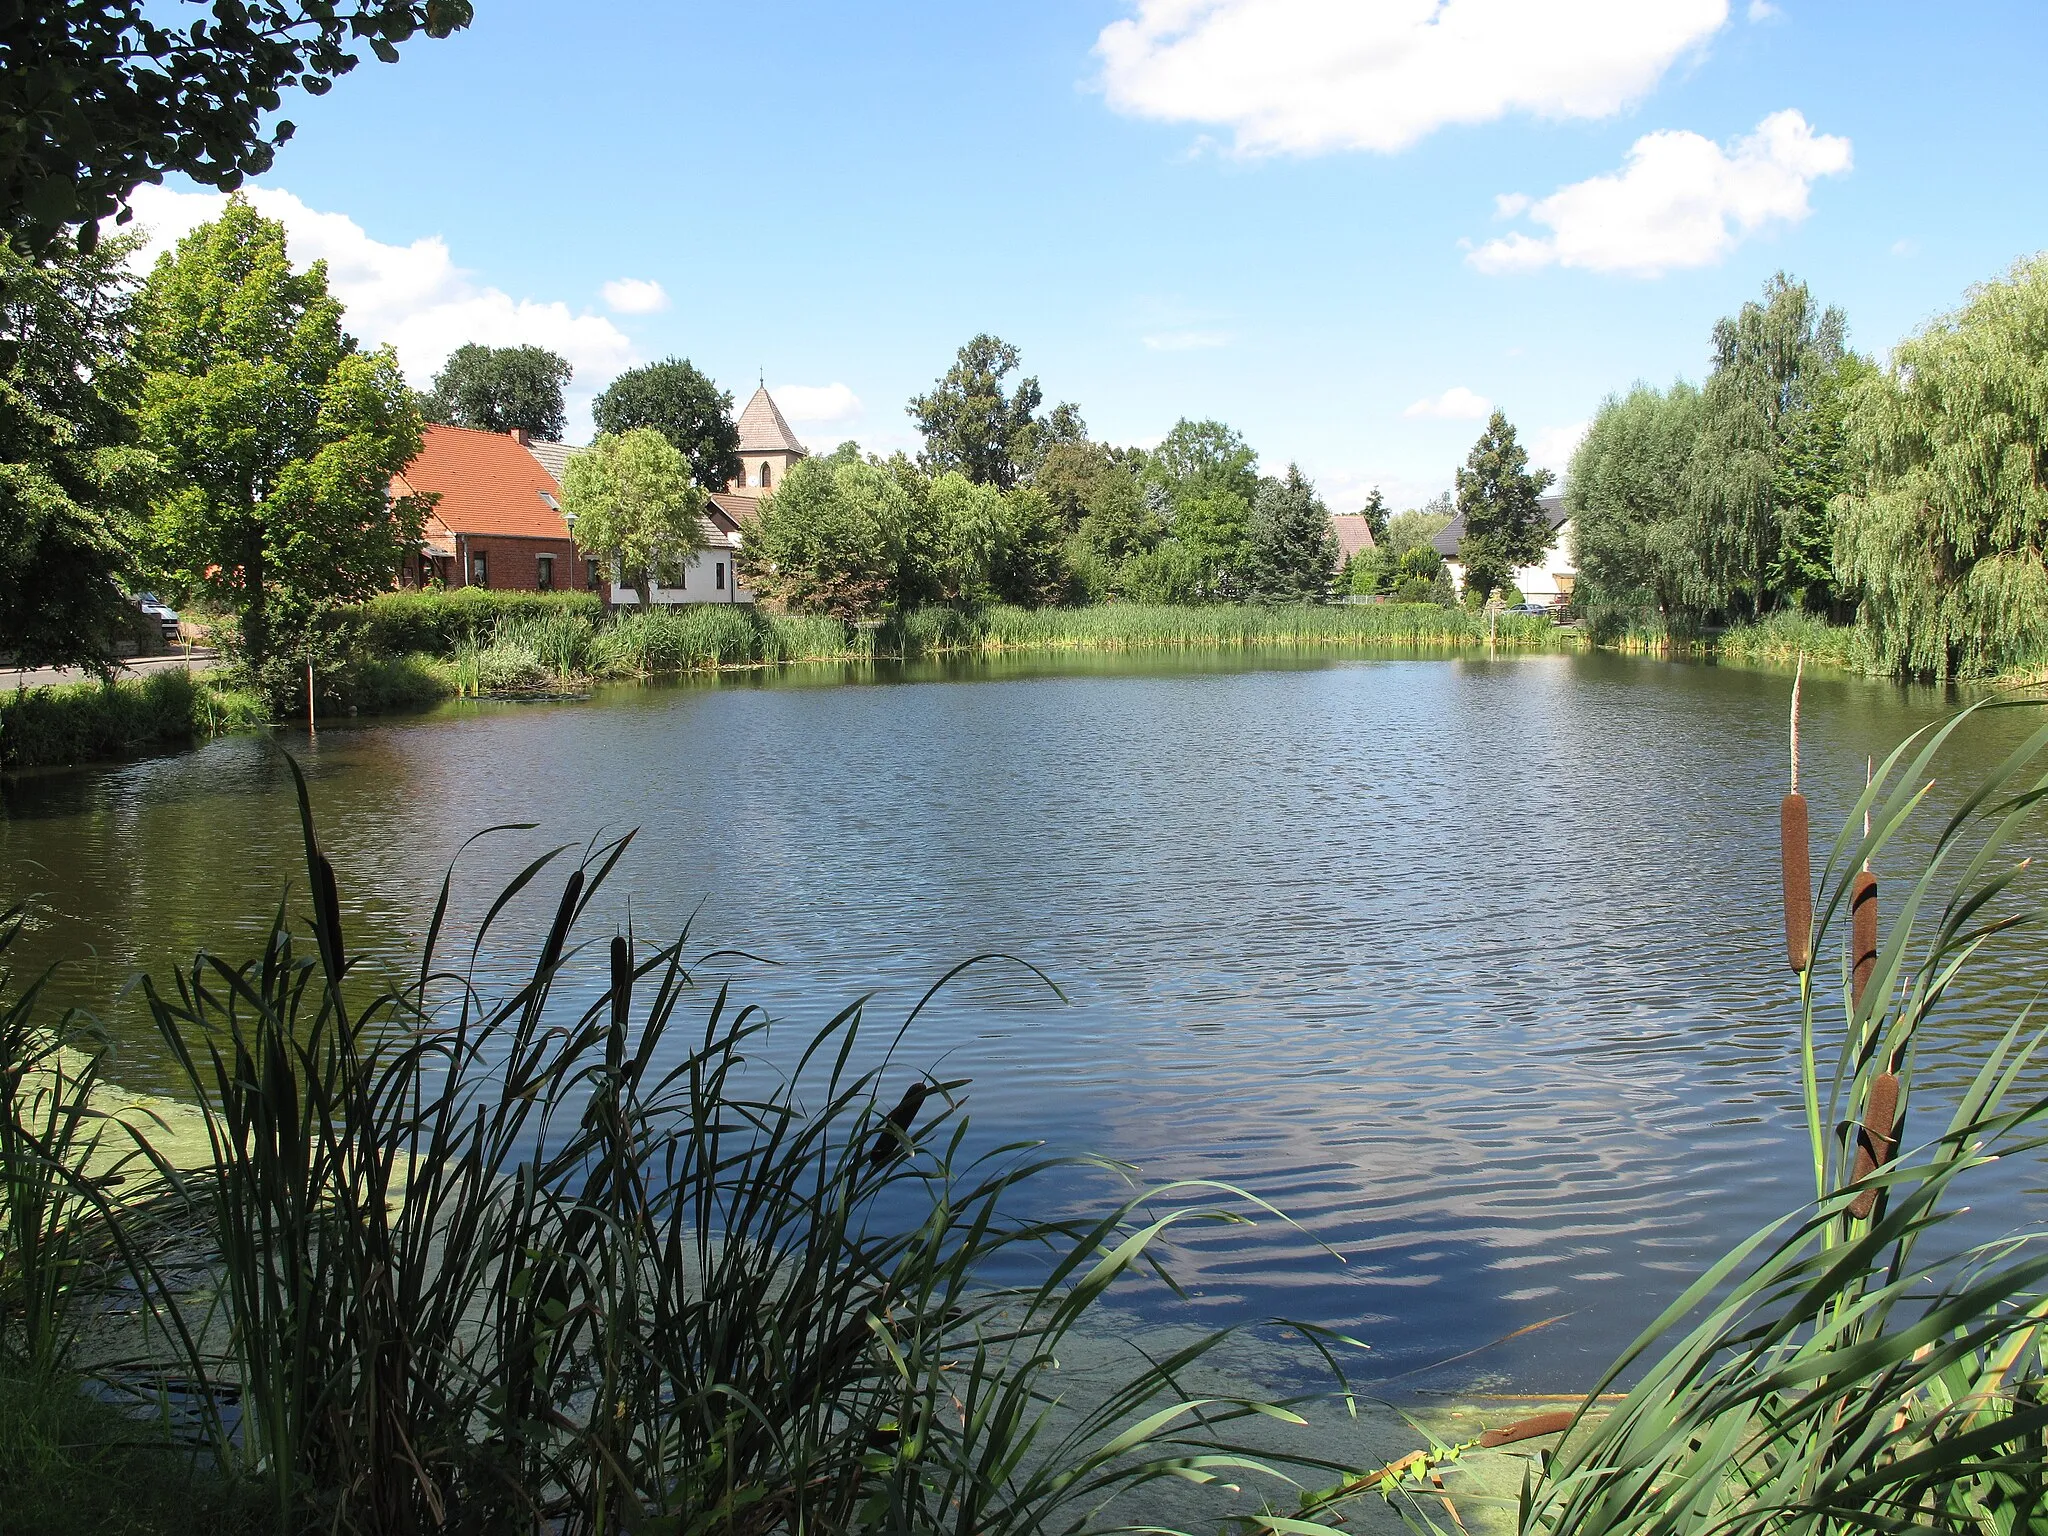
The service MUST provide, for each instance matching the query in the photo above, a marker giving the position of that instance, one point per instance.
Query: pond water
(1472, 966)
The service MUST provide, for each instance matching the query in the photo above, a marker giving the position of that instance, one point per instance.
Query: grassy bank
(529, 645)
(410, 650)
(1778, 637)
(169, 708)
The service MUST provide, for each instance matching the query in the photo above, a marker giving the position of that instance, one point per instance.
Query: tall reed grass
(1130, 626)
(168, 707)
(493, 1263)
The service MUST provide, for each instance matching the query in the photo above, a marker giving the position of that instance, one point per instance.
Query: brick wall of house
(513, 564)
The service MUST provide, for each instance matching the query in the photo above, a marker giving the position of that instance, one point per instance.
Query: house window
(546, 575)
(479, 569)
(764, 474)
(721, 572)
(592, 574)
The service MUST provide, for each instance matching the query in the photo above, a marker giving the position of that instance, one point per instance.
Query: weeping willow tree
(1943, 537)
(1774, 361)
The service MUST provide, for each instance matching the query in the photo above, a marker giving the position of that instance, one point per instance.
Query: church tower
(767, 447)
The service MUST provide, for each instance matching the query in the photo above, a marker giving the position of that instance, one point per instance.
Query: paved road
(200, 659)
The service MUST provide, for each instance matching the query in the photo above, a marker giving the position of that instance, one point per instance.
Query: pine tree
(1375, 514)
(1500, 498)
(1291, 551)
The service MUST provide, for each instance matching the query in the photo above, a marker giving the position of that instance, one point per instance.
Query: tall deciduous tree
(1501, 500)
(976, 424)
(1633, 534)
(1119, 522)
(685, 407)
(1209, 476)
(1291, 553)
(632, 501)
(278, 437)
(1199, 459)
(832, 538)
(71, 480)
(100, 96)
(1943, 540)
(497, 389)
(1767, 359)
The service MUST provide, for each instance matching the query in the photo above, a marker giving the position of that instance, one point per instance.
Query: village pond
(1472, 966)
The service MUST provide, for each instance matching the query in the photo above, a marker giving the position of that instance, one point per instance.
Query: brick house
(498, 521)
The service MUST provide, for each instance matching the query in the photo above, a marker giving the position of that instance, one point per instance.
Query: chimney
(521, 436)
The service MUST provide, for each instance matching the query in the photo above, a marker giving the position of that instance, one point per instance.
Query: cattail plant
(1794, 855)
(1851, 1367)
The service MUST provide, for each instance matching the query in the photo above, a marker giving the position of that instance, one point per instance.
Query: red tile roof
(1353, 532)
(488, 483)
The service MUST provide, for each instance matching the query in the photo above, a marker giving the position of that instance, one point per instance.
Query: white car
(162, 612)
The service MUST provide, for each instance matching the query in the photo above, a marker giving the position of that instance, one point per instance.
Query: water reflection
(1471, 965)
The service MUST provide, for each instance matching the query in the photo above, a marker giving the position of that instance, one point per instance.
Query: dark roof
(1446, 543)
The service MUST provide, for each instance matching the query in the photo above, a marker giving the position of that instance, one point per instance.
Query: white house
(1548, 581)
(711, 573)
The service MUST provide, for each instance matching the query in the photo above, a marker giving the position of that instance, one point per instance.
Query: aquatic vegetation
(496, 1262)
(168, 707)
(1854, 1366)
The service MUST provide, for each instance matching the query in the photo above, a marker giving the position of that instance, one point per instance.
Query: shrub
(44, 727)
(377, 685)
(436, 622)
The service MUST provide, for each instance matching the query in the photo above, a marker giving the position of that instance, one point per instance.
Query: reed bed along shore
(409, 651)
(167, 709)
(1780, 638)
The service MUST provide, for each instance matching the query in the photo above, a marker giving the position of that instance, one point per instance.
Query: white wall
(700, 584)
(1538, 582)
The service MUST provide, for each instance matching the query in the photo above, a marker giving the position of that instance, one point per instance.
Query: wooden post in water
(311, 729)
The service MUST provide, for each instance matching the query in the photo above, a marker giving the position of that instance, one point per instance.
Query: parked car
(1530, 608)
(161, 611)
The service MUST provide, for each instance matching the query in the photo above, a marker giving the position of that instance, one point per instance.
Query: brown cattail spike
(1529, 1428)
(1862, 932)
(1798, 880)
(1874, 1138)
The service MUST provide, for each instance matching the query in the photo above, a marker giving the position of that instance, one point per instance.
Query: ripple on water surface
(1469, 966)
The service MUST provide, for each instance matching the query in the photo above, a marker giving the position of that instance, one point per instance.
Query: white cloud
(412, 296)
(1551, 448)
(821, 405)
(635, 296)
(1763, 10)
(1455, 404)
(1905, 247)
(1186, 341)
(1345, 490)
(1307, 76)
(1681, 201)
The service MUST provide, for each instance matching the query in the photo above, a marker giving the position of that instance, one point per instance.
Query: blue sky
(1284, 213)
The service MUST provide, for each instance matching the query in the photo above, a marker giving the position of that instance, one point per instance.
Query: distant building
(497, 521)
(1354, 534)
(1549, 580)
(767, 448)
